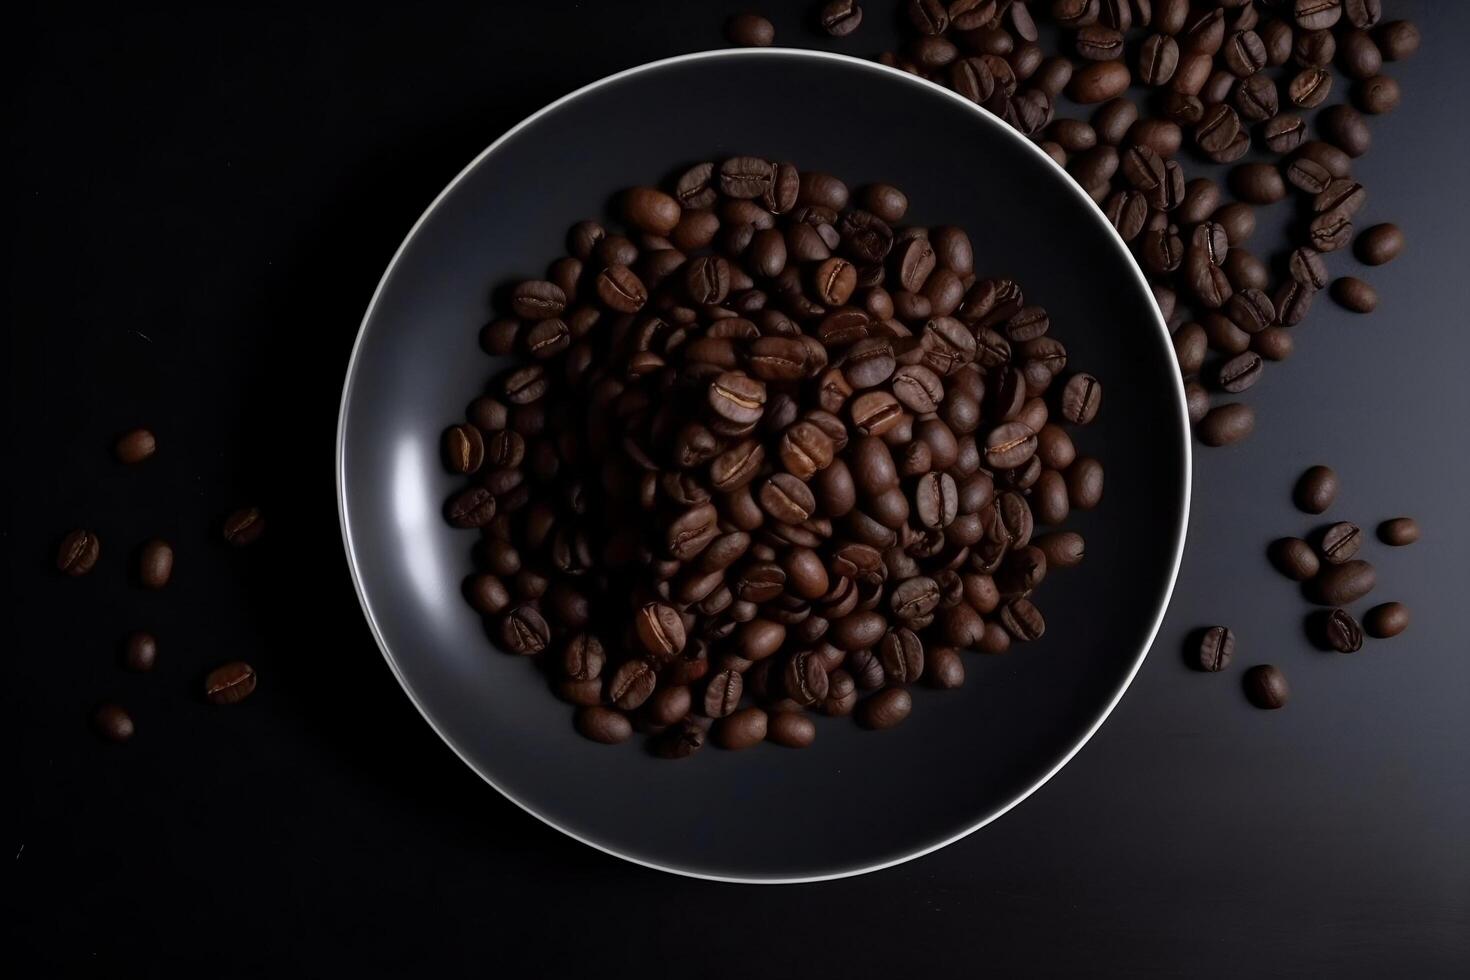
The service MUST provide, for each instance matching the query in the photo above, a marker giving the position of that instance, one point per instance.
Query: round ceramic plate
(856, 800)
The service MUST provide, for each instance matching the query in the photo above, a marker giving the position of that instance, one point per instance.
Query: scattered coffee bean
(1216, 647)
(1340, 542)
(78, 553)
(1342, 584)
(244, 526)
(741, 730)
(140, 652)
(792, 729)
(1342, 632)
(1315, 489)
(1265, 686)
(840, 18)
(1355, 294)
(885, 709)
(1294, 558)
(1387, 619)
(155, 564)
(113, 723)
(1224, 425)
(1399, 531)
(604, 725)
(1380, 244)
(136, 446)
(230, 684)
(750, 31)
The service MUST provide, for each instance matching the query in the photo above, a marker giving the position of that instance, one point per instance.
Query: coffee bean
(1315, 489)
(524, 631)
(1294, 558)
(1399, 531)
(1342, 584)
(538, 300)
(78, 553)
(1240, 372)
(230, 683)
(464, 449)
(792, 729)
(1358, 56)
(155, 564)
(1355, 294)
(1265, 686)
(1340, 542)
(1197, 400)
(1380, 244)
(742, 729)
(1216, 647)
(140, 652)
(886, 709)
(1258, 183)
(1398, 39)
(1098, 81)
(1388, 619)
(1081, 399)
(1022, 620)
(1226, 425)
(603, 725)
(135, 446)
(1346, 129)
(1341, 632)
(660, 631)
(113, 723)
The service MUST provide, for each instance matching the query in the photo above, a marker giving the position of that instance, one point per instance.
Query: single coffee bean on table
(1355, 294)
(780, 471)
(1399, 531)
(1266, 687)
(230, 683)
(136, 446)
(244, 526)
(140, 651)
(1216, 648)
(78, 553)
(1341, 632)
(750, 30)
(155, 564)
(1294, 558)
(113, 723)
(1387, 619)
(1315, 489)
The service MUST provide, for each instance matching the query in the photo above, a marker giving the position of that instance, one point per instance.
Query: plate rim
(986, 118)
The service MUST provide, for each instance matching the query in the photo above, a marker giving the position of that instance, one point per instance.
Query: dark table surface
(200, 205)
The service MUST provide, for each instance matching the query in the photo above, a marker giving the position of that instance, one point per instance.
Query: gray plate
(855, 801)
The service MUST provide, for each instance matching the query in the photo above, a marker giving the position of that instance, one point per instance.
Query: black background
(199, 206)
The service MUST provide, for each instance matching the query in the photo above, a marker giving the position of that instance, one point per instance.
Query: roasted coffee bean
(750, 31)
(1265, 686)
(1380, 244)
(140, 652)
(1342, 584)
(113, 723)
(1197, 400)
(1358, 56)
(1292, 301)
(1355, 294)
(1340, 542)
(1345, 128)
(1283, 134)
(135, 446)
(1398, 39)
(1225, 425)
(1081, 399)
(886, 709)
(1388, 619)
(1294, 558)
(524, 631)
(155, 564)
(1258, 183)
(1341, 632)
(1098, 81)
(1022, 620)
(1215, 649)
(1399, 531)
(230, 683)
(1273, 343)
(1245, 271)
(603, 725)
(1315, 489)
(78, 553)
(538, 300)
(742, 729)
(1240, 372)
(792, 729)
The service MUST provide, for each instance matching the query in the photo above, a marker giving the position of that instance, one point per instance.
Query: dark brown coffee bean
(875, 412)
(1225, 425)
(1022, 620)
(603, 725)
(660, 631)
(1294, 558)
(1315, 489)
(1273, 343)
(244, 526)
(524, 631)
(1283, 134)
(745, 177)
(1342, 584)
(1380, 244)
(135, 446)
(1398, 39)
(155, 564)
(1388, 619)
(1341, 632)
(886, 709)
(78, 553)
(1197, 400)
(1355, 294)
(792, 729)
(1158, 59)
(786, 498)
(737, 398)
(1340, 542)
(1265, 686)
(742, 729)
(140, 652)
(230, 683)
(1240, 372)
(1399, 531)
(1081, 399)
(1258, 183)
(113, 723)
(1344, 127)
(1216, 648)
(1098, 81)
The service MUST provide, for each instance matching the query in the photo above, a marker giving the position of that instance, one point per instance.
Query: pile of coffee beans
(766, 450)
(79, 553)
(1124, 92)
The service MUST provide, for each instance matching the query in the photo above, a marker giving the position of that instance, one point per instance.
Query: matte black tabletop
(200, 204)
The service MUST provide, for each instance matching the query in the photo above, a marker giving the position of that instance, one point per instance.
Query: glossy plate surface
(855, 801)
